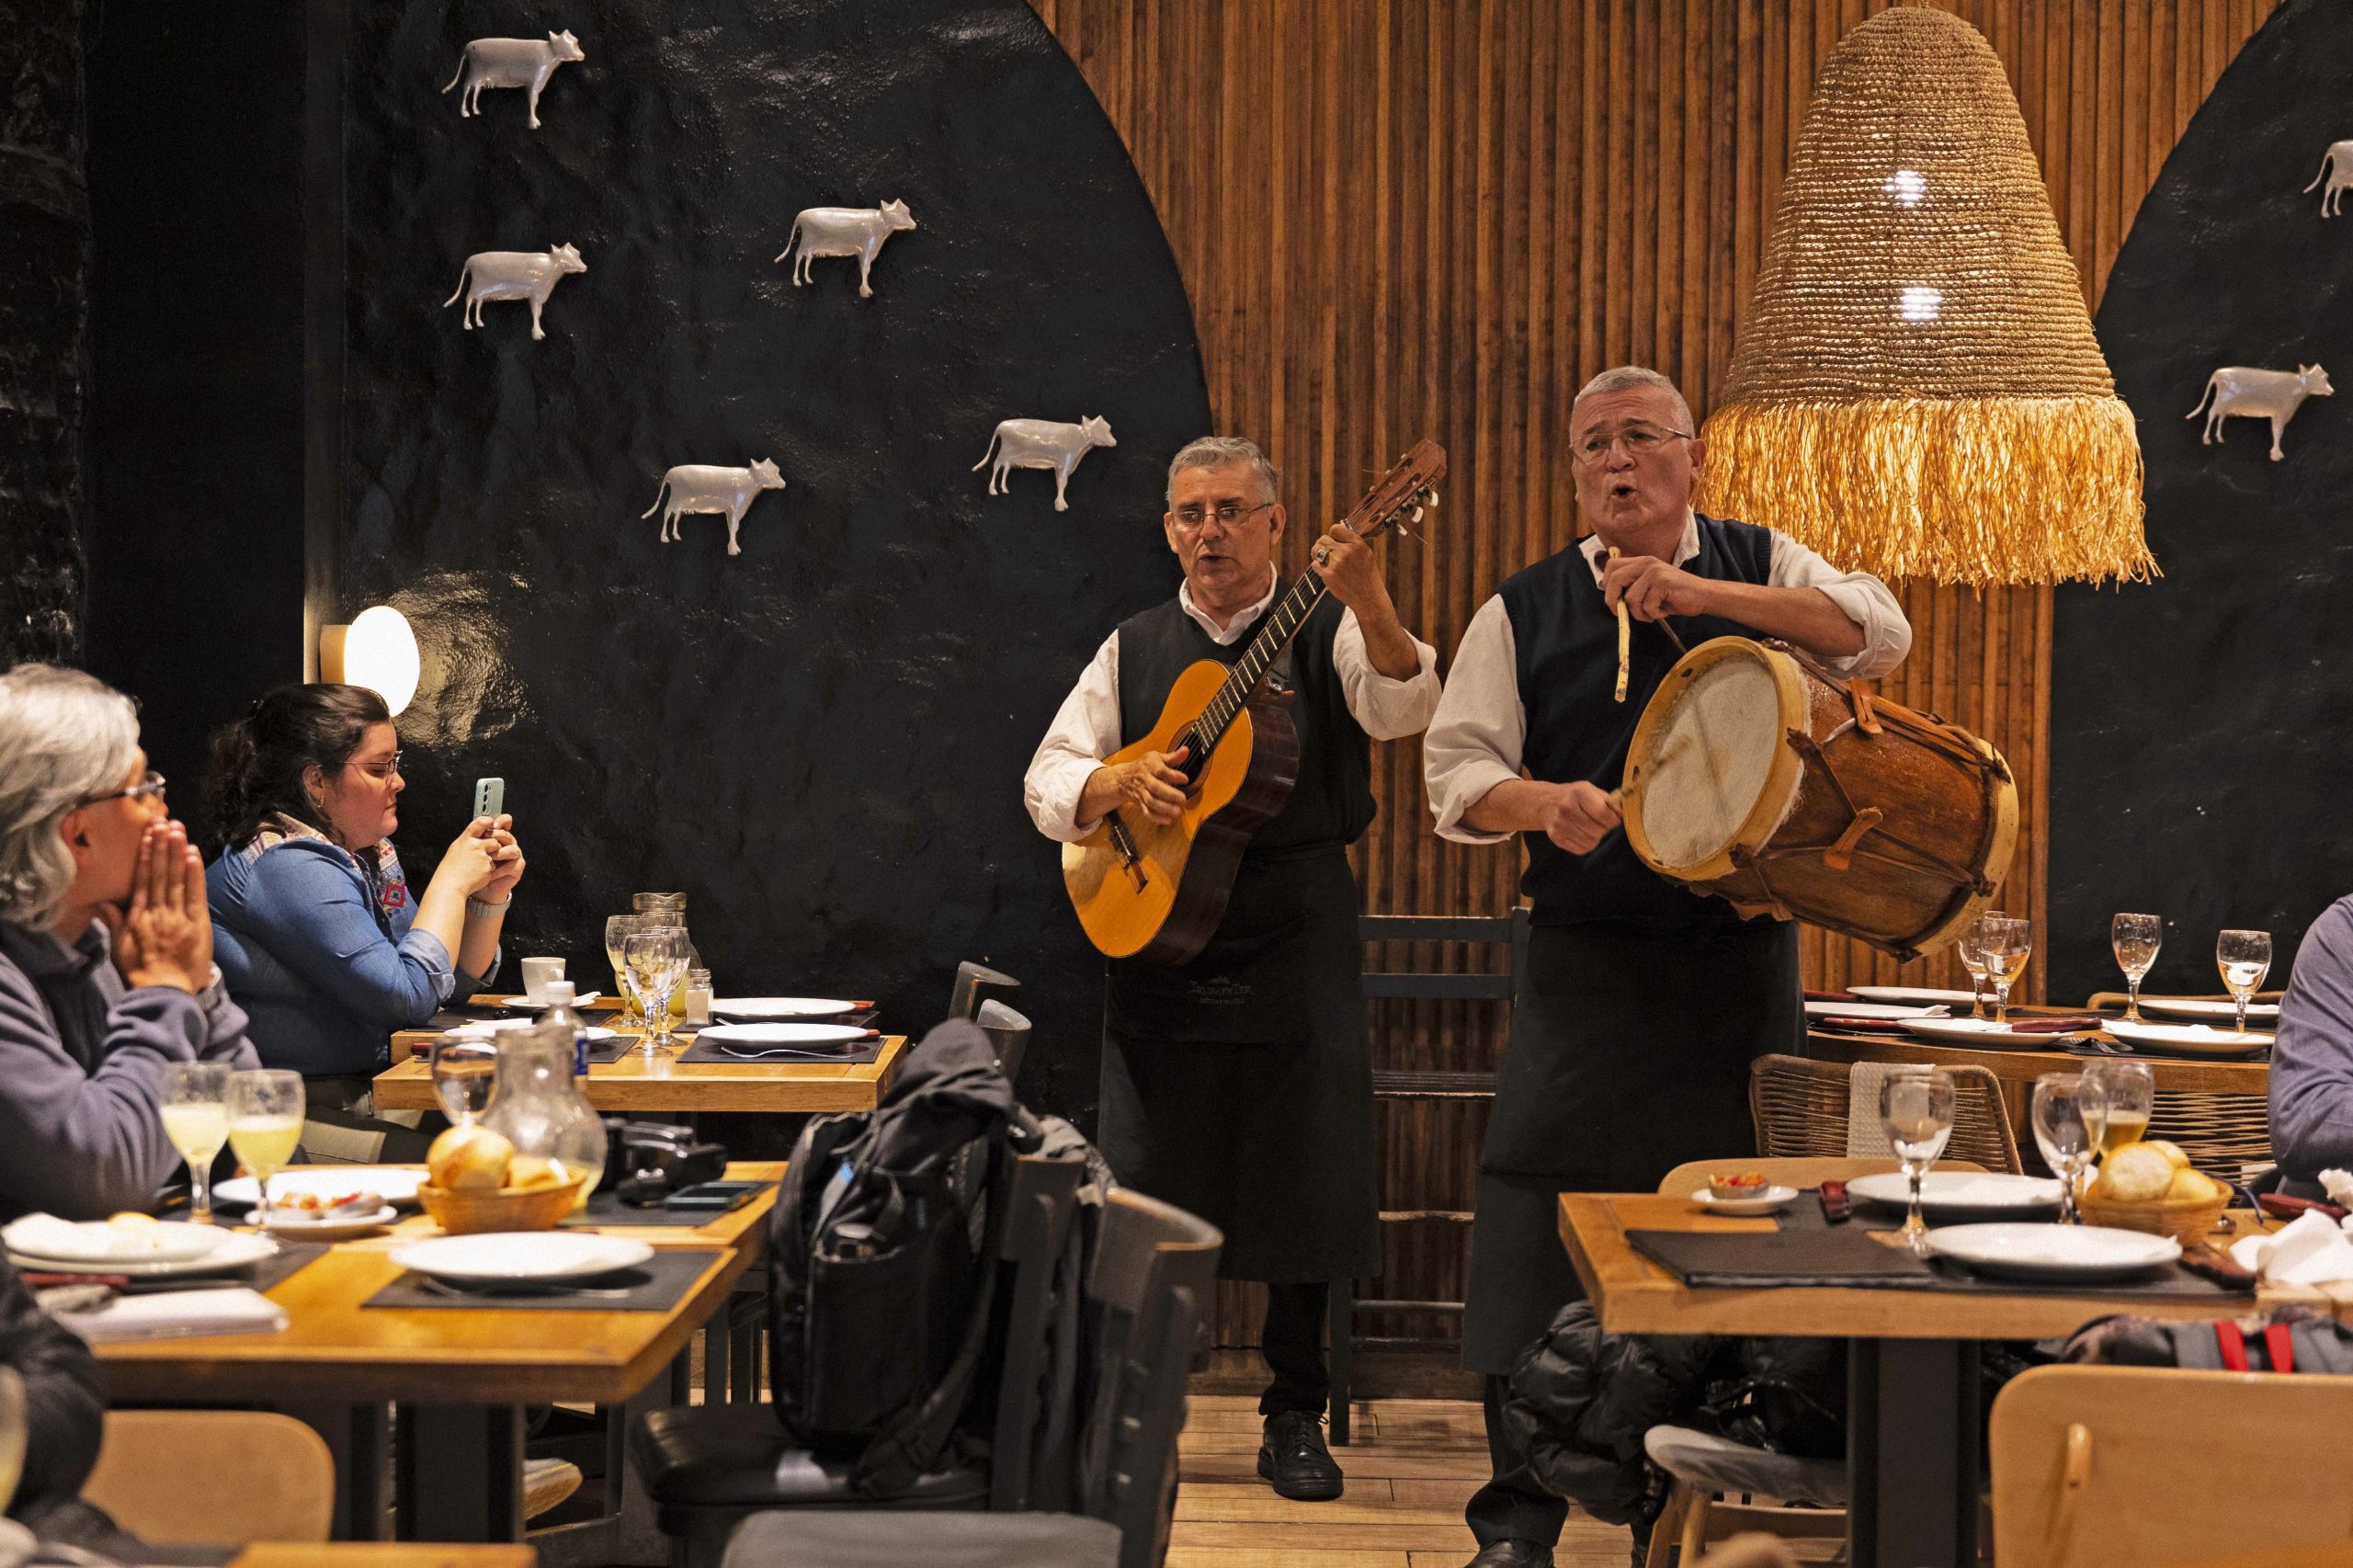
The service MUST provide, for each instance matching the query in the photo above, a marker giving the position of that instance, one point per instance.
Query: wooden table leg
(359, 1437)
(461, 1472)
(1913, 1438)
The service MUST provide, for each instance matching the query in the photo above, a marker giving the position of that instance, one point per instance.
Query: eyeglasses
(148, 789)
(388, 769)
(1229, 514)
(1640, 440)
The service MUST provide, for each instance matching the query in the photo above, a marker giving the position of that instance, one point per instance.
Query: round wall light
(377, 650)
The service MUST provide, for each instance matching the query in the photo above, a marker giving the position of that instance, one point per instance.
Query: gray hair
(1626, 378)
(65, 737)
(1219, 451)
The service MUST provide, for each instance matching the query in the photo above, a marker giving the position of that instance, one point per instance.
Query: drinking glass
(2129, 1094)
(618, 929)
(2245, 957)
(1971, 951)
(464, 1072)
(657, 962)
(2136, 938)
(1915, 1110)
(2008, 943)
(194, 1099)
(265, 1125)
(2070, 1113)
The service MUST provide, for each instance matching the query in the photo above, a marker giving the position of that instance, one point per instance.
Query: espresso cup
(537, 972)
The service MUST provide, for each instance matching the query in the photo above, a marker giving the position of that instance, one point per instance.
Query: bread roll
(2170, 1150)
(2193, 1187)
(527, 1172)
(468, 1159)
(2134, 1174)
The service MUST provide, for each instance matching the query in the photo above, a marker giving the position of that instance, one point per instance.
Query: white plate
(1984, 1034)
(296, 1225)
(2052, 1252)
(394, 1184)
(1958, 1192)
(1869, 1010)
(2194, 1040)
(2206, 1007)
(526, 1005)
(237, 1249)
(1764, 1202)
(490, 1029)
(756, 1009)
(96, 1241)
(802, 1037)
(1911, 994)
(514, 1257)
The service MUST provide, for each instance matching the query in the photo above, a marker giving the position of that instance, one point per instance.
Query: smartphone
(490, 797)
(715, 1197)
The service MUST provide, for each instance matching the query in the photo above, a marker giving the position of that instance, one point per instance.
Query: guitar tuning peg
(1433, 501)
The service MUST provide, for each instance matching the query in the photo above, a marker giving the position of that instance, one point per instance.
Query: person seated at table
(321, 939)
(2311, 1059)
(106, 953)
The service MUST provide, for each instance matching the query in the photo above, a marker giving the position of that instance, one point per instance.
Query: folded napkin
(228, 1310)
(2313, 1250)
(2338, 1185)
(1836, 1207)
(2055, 1025)
(1831, 996)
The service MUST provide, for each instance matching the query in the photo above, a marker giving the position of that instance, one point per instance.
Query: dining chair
(280, 1477)
(2163, 1468)
(1800, 1107)
(975, 983)
(1154, 1267)
(1008, 1034)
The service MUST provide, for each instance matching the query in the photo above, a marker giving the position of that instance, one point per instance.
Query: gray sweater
(2312, 1059)
(81, 1062)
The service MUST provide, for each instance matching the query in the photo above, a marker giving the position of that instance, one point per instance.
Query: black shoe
(1513, 1554)
(1293, 1460)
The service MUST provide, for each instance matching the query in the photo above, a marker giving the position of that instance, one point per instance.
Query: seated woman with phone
(319, 936)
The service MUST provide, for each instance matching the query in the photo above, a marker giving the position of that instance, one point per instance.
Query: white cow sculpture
(699, 487)
(513, 275)
(511, 62)
(2336, 168)
(1043, 443)
(844, 230)
(2258, 394)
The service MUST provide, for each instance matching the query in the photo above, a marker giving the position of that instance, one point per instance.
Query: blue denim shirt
(323, 971)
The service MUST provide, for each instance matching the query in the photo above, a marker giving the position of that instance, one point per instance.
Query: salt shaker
(698, 993)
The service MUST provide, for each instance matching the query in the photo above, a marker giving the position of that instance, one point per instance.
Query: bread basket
(2189, 1220)
(506, 1208)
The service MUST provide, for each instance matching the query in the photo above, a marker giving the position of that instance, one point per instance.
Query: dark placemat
(262, 1276)
(1806, 1241)
(606, 1212)
(656, 1285)
(702, 1051)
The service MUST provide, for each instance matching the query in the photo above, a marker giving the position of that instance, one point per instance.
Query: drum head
(1711, 748)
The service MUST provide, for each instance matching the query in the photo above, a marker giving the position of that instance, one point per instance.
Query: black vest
(1331, 804)
(1565, 646)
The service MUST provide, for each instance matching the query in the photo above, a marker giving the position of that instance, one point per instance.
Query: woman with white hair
(105, 952)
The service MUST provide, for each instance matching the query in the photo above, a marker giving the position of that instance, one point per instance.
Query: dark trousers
(1293, 1343)
(1514, 1504)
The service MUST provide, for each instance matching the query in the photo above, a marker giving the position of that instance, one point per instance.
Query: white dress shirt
(1087, 728)
(1474, 740)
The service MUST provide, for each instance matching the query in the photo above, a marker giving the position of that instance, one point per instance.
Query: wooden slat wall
(1400, 217)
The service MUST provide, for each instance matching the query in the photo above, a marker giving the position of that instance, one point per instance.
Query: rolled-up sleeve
(1086, 730)
(2312, 1059)
(1477, 732)
(309, 909)
(1860, 598)
(1387, 710)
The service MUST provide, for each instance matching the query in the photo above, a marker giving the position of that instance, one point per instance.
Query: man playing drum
(1642, 1004)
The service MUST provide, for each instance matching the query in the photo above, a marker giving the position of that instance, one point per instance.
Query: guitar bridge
(1131, 857)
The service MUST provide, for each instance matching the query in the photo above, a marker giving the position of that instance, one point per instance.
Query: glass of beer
(264, 1126)
(1916, 1111)
(2136, 938)
(2130, 1089)
(2245, 957)
(195, 1096)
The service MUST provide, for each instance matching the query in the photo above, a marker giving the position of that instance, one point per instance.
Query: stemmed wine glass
(657, 961)
(1971, 949)
(2008, 943)
(618, 929)
(2136, 938)
(1915, 1110)
(264, 1126)
(2070, 1114)
(194, 1096)
(2245, 957)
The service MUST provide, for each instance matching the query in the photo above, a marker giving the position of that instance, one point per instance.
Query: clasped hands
(162, 935)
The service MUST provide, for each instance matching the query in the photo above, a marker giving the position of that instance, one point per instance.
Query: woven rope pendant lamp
(1917, 392)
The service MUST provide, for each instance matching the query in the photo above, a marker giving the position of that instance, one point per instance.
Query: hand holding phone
(490, 798)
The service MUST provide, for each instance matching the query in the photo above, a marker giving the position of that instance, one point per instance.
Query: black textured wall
(822, 739)
(44, 263)
(2199, 727)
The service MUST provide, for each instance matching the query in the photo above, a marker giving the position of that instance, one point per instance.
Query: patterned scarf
(380, 868)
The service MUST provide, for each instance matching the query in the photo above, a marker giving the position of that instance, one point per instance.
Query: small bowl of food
(1738, 1184)
(1742, 1192)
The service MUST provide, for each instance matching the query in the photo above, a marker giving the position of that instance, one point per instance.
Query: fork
(460, 1292)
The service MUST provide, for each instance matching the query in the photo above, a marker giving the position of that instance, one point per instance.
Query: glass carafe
(672, 909)
(539, 1108)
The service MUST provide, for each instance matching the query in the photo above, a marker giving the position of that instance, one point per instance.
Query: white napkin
(2338, 1185)
(230, 1309)
(1866, 1134)
(2313, 1250)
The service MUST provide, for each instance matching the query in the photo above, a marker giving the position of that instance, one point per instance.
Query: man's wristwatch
(477, 909)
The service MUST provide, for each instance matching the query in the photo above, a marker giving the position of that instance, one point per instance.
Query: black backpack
(880, 1268)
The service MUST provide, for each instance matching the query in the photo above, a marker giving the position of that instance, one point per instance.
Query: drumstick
(1625, 639)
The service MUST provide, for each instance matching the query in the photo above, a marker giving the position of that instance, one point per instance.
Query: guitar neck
(1281, 625)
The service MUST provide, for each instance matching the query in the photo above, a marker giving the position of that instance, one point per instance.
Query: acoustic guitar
(1154, 892)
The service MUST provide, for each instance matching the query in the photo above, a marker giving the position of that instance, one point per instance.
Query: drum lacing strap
(1865, 714)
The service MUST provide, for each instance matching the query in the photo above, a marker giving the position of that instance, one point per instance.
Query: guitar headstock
(1403, 494)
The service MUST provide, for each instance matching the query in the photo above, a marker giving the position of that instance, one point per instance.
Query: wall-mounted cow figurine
(699, 487)
(2258, 394)
(513, 275)
(511, 62)
(844, 230)
(2336, 168)
(1043, 443)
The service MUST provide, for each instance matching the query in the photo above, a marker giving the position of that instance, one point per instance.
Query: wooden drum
(1757, 775)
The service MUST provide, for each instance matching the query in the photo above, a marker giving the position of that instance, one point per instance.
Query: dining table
(462, 1375)
(1916, 1421)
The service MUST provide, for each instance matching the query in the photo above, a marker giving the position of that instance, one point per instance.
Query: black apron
(1628, 1055)
(1239, 1087)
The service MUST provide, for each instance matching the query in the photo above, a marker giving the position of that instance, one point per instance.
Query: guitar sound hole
(1194, 760)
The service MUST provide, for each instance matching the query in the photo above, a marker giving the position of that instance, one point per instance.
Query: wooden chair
(975, 983)
(1799, 1108)
(2222, 1133)
(1008, 1034)
(2161, 1469)
(153, 1477)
